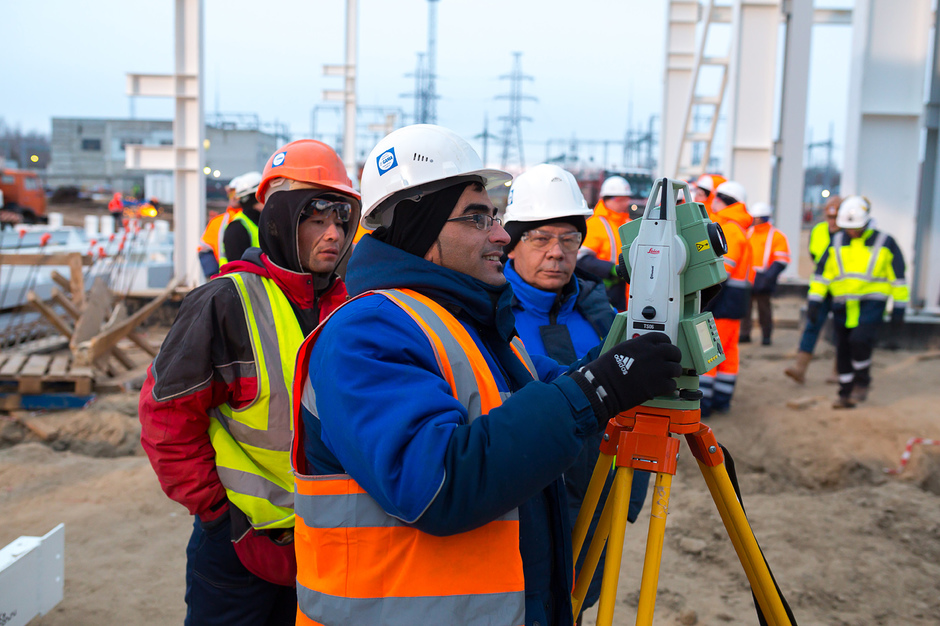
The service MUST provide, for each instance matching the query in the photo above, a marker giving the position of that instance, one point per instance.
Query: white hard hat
(545, 192)
(854, 212)
(705, 182)
(246, 184)
(616, 186)
(732, 189)
(760, 209)
(416, 160)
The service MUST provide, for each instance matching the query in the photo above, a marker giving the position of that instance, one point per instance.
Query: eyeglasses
(481, 220)
(541, 240)
(320, 207)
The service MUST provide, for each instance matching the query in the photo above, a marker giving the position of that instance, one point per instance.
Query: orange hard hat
(308, 161)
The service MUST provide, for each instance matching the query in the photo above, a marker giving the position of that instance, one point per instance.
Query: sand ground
(848, 544)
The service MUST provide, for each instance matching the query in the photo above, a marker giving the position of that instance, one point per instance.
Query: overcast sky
(596, 64)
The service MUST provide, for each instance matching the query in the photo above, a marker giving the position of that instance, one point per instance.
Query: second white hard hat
(416, 160)
(246, 184)
(545, 192)
(759, 209)
(733, 190)
(616, 186)
(854, 212)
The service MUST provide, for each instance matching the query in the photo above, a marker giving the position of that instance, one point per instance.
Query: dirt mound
(107, 428)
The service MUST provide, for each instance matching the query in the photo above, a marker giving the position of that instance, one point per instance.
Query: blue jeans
(220, 590)
(812, 330)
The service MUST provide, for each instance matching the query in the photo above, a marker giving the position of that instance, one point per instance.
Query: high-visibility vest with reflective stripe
(215, 229)
(250, 226)
(868, 267)
(356, 564)
(738, 257)
(252, 443)
(768, 246)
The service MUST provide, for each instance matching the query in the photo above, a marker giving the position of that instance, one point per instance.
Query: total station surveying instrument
(671, 255)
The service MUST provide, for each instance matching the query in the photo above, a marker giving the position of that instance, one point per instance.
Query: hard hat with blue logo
(416, 160)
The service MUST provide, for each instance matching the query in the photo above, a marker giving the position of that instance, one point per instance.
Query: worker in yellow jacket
(862, 269)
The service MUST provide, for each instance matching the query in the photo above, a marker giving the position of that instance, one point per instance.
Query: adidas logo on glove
(624, 362)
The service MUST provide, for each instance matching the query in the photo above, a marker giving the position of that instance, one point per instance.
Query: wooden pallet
(43, 373)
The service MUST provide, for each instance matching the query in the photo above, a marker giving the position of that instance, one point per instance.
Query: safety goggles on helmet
(541, 240)
(321, 207)
(728, 200)
(481, 220)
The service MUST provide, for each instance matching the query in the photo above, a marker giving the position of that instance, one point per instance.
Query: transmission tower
(420, 93)
(512, 127)
(486, 135)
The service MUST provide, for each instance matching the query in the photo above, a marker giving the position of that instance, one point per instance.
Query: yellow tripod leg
(654, 549)
(745, 544)
(589, 504)
(590, 561)
(620, 497)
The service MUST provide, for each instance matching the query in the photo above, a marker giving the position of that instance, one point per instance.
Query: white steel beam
(886, 99)
(32, 576)
(680, 55)
(349, 110)
(790, 177)
(925, 274)
(751, 105)
(186, 158)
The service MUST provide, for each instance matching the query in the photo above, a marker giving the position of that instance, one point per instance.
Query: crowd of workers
(412, 441)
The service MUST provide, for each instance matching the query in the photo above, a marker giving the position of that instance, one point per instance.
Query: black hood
(280, 219)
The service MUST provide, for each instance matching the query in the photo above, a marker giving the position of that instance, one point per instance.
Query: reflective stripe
(860, 365)
(468, 610)
(722, 387)
(846, 378)
(519, 348)
(353, 511)
(738, 282)
(875, 250)
(257, 486)
(610, 238)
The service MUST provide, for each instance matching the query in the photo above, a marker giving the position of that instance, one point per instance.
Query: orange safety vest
(603, 236)
(768, 246)
(734, 221)
(356, 564)
(215, 230)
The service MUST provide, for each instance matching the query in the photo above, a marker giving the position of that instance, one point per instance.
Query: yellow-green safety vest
(252, 444)
(869, 267)
(250, 226)
(819, 240)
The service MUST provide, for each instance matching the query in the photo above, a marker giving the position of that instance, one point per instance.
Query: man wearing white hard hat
(429, 445)
(770, 255)
(600, 249)
(560, 311)
(730, 305)
(862, 269)
(241, 232)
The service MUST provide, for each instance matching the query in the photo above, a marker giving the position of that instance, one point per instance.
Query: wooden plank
(29, 385)
(44, 259)
(10, 401)
(60, 324)
(61, 280)
(13, 364)
(59, 298)
(142, 343)
(3, 358)
(36, 365)
(77, 281)
(59, 365)
(92, 349)
(48, 344)
(127, 381)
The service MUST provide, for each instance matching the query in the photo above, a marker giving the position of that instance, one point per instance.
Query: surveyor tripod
(641, 438)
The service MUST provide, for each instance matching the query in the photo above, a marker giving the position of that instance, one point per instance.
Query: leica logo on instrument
(653, 251)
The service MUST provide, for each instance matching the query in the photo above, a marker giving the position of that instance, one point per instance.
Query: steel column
(886, 99)
(751, 102)
(788, 215)
(680, 54)
(925, 274)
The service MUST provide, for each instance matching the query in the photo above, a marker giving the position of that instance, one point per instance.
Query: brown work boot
(843, 403)
(859, 393)
(797, 371)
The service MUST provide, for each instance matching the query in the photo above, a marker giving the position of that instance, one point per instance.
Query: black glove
(629, 374)
(812, 311)
(897, 317)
